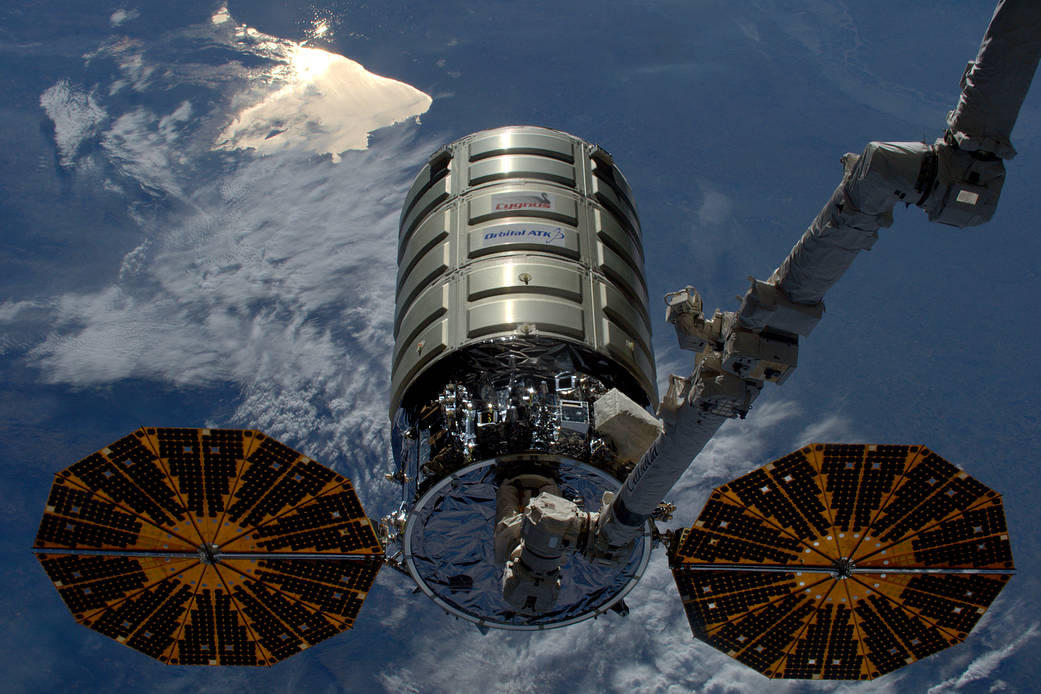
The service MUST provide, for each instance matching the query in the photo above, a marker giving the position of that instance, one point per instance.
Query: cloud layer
(328, 104)
(270, 270)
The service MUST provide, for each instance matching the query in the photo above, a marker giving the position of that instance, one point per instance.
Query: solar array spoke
(132, 539)
(893, 554)
(827, 647)
(76, 518)
(332, 522)
(89, 584)
(712, 598)
(728, 532)
(129, 474)
(333, 587)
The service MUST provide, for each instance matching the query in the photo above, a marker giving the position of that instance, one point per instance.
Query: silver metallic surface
(521, 299)
(520, 231)
(449, 549)
(504, 397)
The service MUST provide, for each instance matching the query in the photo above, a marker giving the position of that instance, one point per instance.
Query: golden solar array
(208, 546)
(842, 561)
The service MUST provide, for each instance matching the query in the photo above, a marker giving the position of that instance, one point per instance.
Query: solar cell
(842, 561)
(208, 546)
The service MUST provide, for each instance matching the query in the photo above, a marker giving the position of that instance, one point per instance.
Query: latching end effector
(965, 185)
(683, 309)
(953, 184)
(759, 343)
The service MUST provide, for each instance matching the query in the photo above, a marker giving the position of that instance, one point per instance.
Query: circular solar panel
(842, 561)
(208, 546)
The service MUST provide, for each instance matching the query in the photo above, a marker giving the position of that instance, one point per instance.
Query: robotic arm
(956, 180)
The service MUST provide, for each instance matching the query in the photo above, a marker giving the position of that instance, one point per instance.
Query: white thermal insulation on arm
(997, 81)
(886, 173)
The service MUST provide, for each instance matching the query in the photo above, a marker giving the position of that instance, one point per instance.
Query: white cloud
(748, 28)
(326, 103)
(138, 145)
(715, 206)
(283, 288)
(129, 56)
(833, 428)
(982, 666)
(221, 16)
(171, 125)
(76, 116)
(122, 16)
(9, 310)
(276, 276)
(272, 273)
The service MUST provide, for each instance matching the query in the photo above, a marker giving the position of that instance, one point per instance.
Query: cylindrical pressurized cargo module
(521, 300)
